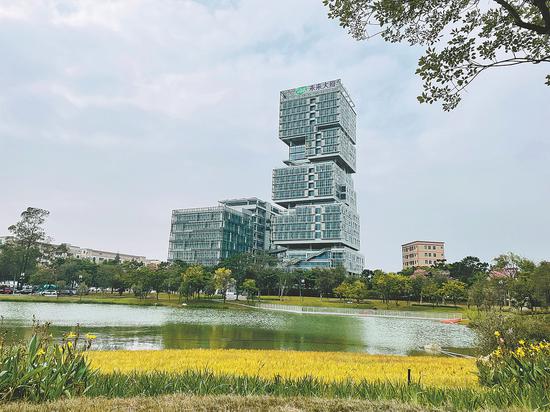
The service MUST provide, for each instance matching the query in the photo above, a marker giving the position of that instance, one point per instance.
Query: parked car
(5, 290)
(26, 290)
(49, 293)
(68, 292)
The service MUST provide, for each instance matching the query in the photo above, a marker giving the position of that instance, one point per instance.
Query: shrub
(512, 326)
(44, 370)
(516, 366)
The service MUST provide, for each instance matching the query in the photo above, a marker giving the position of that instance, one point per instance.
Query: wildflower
(40, 352)
(521, 342)
(327, 366)
(497, 334)
(90, 336)
(69, 345)
(520, 352)
(71, 335)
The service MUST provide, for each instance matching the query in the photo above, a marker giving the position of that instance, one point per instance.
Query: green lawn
(367, 304)
(173, 301)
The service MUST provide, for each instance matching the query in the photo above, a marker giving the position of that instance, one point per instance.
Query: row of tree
(510, 281)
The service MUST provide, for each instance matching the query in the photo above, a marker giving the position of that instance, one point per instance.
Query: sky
(113, 113)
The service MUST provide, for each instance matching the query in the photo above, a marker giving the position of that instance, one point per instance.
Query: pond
(138, 327)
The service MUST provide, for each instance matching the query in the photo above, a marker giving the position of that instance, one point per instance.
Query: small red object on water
(451, 320)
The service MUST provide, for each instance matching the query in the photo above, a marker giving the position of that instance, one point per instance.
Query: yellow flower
(326, 366)
(520, 352)
(521, 342)
(497, 333)
(40, 352)
(71, 335)
(90, 336)
(70, 344)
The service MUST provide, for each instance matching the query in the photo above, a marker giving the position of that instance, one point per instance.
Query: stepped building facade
(207, 235)
(320, 225)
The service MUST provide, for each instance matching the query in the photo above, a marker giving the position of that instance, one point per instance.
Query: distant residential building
(100, 256)
(422, 253)
(210, 234)
(65, 250)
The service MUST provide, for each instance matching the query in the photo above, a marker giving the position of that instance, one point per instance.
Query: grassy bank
(325, 366)
(367, 304)
(173, 301)
(190, 403)
(252, 380)
(206, 383)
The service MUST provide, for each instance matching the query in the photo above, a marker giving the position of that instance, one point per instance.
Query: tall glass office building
(208, 235)
(320, 226)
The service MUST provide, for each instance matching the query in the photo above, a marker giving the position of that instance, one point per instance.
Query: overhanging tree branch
(545, 12)
(520, 22)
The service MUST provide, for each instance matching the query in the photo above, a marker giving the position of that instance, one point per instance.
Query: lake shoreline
(174, 301)
(139, 327)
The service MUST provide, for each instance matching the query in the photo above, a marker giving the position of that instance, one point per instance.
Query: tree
(358, 290)
(156, 279)
(172, 277)
(43, 276)
(105, 277)
(327, 279)
(477, 293)
(541, 282)
(510, 277)
(391, 285)
(82, 289)
(343, 290)
(10, 257)
(417, 280)
(117, 277)
(463, 38)
(29, 233)
(222, 280)
(242, 266)
(192, 280)
(453, 290)
(71, 270)
(511, 264)
(249, 286)
(285, 278)
(266, 280)
(468, 269)
(430, 291)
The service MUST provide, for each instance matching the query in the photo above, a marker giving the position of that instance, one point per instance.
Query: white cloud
(132, 108)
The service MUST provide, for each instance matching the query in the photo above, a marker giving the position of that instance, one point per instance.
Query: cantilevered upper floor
(317, 122)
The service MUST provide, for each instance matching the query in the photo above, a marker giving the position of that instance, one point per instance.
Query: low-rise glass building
(210, 234)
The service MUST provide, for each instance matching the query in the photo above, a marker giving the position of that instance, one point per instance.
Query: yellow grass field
(329, 366)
